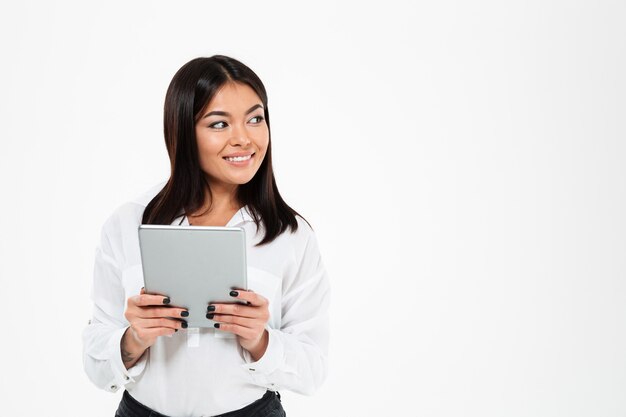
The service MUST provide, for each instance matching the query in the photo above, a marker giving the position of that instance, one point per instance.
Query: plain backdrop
(462, 162)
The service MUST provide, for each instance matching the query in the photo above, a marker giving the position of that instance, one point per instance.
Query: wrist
(258, 349)
(131, 348)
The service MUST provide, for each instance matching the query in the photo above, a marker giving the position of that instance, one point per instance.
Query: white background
(463, 164)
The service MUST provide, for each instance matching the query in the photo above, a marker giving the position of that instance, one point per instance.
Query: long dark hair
(188, 94)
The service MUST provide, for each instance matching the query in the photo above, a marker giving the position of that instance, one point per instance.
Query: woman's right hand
(149, 316)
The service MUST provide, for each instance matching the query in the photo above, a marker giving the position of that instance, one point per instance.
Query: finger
(160, 322)
(243, 332)
(143, 300)
(153, 332)
(173, 312)
(251, 297)
(242, 321)
(236, 309)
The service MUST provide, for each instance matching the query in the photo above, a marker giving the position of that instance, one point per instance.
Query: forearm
(257, 352)
(131, 349)
(290, 362)
(102, 356)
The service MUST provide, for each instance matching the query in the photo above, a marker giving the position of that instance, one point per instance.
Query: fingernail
(216, 325)
(166, 300)
(210, 308)
(210, 316)
(184, 313)
(183, 324)
(234, 293)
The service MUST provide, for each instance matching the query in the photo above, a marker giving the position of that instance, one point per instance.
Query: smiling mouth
(238, 158)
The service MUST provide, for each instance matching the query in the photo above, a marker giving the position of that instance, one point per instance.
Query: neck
(222, 199)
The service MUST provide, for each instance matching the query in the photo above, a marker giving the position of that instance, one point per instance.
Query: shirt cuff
(272, 359)
(121, 375)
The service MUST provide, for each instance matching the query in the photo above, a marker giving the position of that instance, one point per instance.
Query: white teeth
(238, 158)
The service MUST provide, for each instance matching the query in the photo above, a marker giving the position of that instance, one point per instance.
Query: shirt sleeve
(296, 357)
(102, 358)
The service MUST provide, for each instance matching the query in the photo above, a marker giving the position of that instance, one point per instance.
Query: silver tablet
(193, 265)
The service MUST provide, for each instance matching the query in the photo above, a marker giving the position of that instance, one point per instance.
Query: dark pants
(268, 406)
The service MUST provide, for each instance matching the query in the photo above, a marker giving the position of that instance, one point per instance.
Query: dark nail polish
(216, 325)
(210, 316)
(166, 300)
(183, 324)
(234, 293)
(184, 313)
(210, 308)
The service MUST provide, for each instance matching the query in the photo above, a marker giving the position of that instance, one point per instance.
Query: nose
(239, 136)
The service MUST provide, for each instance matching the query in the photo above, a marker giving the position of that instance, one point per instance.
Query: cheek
(262, 153)
(263, 147)
(207, 151)
(263, 141)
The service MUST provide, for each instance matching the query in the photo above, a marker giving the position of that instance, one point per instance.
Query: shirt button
(251, 369)
(113, 387)
(126, 377)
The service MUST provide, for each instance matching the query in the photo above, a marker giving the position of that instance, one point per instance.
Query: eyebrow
(223, 113)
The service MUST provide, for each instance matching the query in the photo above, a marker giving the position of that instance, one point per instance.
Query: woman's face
(232, 136)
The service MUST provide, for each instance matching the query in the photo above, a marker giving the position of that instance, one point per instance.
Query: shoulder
(299, 239)
(144, 198)
(119, 233)
(130, 213)
(305, 263)
(299, 234)
(306, 235)
(305, 230)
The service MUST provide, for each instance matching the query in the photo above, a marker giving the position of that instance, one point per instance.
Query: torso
(218, 218)
(274, 270)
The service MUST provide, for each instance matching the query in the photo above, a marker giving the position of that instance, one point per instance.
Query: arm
(117, 339)
(296, 357)
(102, 357)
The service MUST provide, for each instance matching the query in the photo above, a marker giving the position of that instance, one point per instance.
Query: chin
(241, 181)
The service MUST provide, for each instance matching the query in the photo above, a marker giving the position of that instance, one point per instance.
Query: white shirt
(190, 375)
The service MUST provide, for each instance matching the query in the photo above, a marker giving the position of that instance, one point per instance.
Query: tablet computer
(193, 265)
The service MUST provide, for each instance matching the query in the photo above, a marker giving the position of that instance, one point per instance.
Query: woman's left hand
(246, 321)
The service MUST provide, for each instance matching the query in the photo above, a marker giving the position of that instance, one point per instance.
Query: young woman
(217, 136)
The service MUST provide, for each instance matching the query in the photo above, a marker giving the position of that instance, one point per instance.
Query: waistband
(130, 407)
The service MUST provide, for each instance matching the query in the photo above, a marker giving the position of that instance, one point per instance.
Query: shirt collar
(241, 216)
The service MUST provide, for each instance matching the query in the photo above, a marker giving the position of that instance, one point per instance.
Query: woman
(218, 139)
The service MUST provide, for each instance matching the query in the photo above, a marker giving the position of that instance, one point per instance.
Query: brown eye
(218, 125)
(256, 119)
